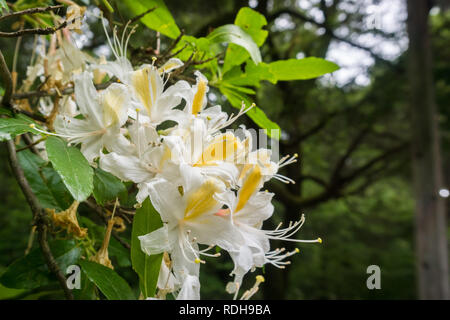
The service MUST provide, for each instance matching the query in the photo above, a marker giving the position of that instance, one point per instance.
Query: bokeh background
(351, 129)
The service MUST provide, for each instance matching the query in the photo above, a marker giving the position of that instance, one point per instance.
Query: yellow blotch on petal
(167, 155)
(197, 103)
(223, 147)
(67, 220)
(113, 101)
(201, 201)
(144, 84)
(170, 65)
(249, 187)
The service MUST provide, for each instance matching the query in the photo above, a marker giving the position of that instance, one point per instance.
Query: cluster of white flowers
(206, 184)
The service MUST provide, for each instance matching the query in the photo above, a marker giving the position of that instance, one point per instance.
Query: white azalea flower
(247, 210)
(188, 212)
(103, 115)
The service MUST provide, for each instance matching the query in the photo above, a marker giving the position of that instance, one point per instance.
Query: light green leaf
(106, 186)
(256, 114)
(251, 76)
(72, 166)
(146, 220)
(11, 127)
(3, 6)
(252, 22)
(201, 49)
(301, 69)
(113, 286)
(31, 271)
(159, 19)
(233, 34)
(44, 181)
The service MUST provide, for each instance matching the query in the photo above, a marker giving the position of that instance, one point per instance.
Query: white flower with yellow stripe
(103, 114)
(188, 212)
(247, 210)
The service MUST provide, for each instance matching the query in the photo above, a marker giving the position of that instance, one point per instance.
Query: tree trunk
(430, 215)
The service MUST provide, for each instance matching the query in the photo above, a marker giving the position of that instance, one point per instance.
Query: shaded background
(351, 130)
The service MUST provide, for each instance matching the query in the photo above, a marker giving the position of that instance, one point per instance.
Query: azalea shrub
(134, 138)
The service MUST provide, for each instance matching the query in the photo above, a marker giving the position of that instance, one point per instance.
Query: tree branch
(39, 218)
(31, 11)
(41, 31)
(335, 187)
(7, 81)
(328, 31)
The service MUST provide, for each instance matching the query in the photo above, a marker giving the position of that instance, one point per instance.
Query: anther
(319, 240)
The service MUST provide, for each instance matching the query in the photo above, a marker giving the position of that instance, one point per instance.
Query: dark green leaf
(31, 271)
(119, 253)
(44, 181)
(113, 286)
(72, 166)
(106, 186)
(87, 289)
(146, 220)
(159, 19)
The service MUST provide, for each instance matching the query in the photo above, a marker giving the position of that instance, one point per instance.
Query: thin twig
(198, 62)
(133, 20)
(99, 211)
(30, 145)
(172, 45)
(42, 31)
(31, 11)
(7, 82)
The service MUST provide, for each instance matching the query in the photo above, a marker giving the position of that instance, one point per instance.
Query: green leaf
(106, 186)
(146, 220)
(301, 69)
(113, 286)
(233, 34)
(252, 22)
(159, 19)
(31, 271)
(72, 166)
(3, 6)
(11, 127)
(87, 289)
(235, 97)
(252, 75)
(44, 181)
(201, 49)
(119, 253)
